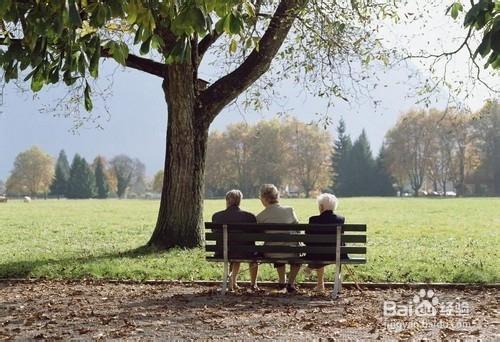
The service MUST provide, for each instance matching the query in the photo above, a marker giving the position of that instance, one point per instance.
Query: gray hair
(270, 193)
(328, 201)
(233, 197)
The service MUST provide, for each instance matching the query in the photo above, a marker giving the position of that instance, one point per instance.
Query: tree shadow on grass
(24, 268)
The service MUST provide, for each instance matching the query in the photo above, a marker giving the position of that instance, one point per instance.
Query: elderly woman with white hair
(327, 204)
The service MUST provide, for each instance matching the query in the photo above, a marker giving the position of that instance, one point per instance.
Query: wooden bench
(332, 244)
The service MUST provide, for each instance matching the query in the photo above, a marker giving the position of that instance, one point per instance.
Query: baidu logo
(425, 304)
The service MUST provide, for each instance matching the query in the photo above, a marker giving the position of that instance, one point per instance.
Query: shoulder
(249, 216)
(340, 219)
(314, 219)
(287, 209)
(262, 215)
(218, 216)
(290, 212)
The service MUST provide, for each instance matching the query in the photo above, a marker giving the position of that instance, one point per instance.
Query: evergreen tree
(60, 181)
(81, 182)
(361, 168)
(341, 160)
(100, 178)
(383, 180)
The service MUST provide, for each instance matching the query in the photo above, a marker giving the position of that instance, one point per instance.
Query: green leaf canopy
(65, 39)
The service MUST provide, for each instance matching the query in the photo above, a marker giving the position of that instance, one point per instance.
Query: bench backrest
(314, 239)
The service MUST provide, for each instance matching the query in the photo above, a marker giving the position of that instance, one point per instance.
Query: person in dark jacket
(233, 214)
(327, 204)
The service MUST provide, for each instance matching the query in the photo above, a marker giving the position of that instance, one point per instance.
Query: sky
(136, 123)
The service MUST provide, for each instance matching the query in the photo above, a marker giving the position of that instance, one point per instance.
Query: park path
(90, 310)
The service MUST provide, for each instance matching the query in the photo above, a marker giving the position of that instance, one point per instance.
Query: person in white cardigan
(275, 213)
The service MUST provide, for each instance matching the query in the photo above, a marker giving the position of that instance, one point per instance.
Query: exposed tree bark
(180, 217)
(190, 112)
(205, 44)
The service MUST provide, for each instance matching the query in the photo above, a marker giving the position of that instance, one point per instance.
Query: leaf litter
(95, 310)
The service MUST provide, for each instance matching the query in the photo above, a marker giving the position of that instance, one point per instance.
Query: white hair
(328, 201)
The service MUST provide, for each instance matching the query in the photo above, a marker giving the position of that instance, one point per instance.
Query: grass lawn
(409, 240)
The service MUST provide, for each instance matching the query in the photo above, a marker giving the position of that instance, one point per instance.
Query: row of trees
(427, 150)
(282, 152)
(432, 150)
(34, 174)
(296, 156)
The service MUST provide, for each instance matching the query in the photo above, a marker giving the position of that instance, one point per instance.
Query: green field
(409, 240)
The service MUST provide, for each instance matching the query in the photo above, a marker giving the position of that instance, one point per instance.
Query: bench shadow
(239, 301)
(23, 268)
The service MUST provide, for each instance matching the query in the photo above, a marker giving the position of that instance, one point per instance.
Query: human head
(233, 197)
(327, 202)
(269, 194)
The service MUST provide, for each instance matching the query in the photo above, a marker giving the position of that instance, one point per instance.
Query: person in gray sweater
(275, 213)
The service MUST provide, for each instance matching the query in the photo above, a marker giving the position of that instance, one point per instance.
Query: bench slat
(287, 227)
(287, 249)
(295, 261)
(286, 237)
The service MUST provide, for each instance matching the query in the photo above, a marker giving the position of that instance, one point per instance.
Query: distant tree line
(297, 157)
(437, 151)
(35, 174)
(289, 153)
(427, 151)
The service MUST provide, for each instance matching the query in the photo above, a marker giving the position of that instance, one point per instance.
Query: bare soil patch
(101, 310)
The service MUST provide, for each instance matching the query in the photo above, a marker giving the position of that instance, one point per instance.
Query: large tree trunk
(180, 217)
(190, 112)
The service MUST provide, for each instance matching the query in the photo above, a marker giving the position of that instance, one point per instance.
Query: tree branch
(143, 64)
(443, 54)
(135, 62)
(226, 89)
(206, 42)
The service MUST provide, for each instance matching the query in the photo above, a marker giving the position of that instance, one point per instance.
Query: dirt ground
(89, 310)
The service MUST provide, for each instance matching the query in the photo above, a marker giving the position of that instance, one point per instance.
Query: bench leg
(338, 279)
(226, 261)
(224, 279)
(338, 283)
